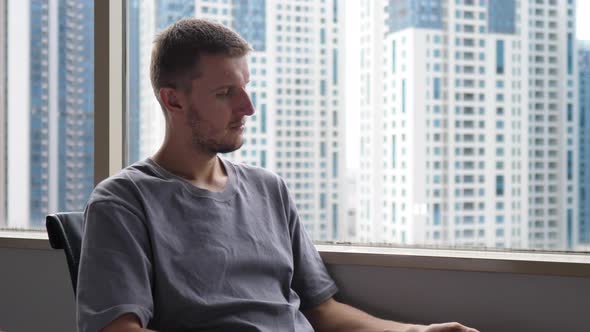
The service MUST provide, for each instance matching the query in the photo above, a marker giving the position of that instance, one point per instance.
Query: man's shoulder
(124, 185)
(251, 173)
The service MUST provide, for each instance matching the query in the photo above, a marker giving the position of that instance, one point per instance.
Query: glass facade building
(584, 84)
(76, 104)
(133, 70)
(61, 111)
(170, 11)
(502, 16)
(403, 14)
(39, 78)
(250, 21)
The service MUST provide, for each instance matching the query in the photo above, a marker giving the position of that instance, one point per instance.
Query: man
(186, 241)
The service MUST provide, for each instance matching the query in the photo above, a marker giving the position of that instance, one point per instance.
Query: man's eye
(223, 93)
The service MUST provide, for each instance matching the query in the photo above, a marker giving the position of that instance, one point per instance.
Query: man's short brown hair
(177, 50)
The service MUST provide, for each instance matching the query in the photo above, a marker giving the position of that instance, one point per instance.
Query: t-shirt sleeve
(114, 276)
(311, 280)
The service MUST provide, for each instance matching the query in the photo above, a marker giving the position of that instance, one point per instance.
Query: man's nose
(245, 106)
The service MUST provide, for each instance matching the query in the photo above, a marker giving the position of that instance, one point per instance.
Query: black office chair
(65, 232)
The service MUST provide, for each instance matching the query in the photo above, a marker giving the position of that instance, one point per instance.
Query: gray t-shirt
(186, 259)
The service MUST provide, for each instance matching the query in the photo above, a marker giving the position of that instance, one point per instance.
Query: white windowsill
(520, 262)
(537, 263)
(24, 240)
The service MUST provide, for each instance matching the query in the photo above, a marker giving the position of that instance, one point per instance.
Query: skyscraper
(76, 104)
(50, 112)
(296, 80)
(133, 71)
(584, 107)
(467, 135)
(3, 23)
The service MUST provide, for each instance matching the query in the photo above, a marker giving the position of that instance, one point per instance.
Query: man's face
(219, 104)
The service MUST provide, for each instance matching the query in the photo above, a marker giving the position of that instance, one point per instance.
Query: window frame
(461, 260)
(110, 87)
(110, 154)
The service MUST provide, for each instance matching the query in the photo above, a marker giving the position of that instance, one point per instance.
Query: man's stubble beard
(200, 143)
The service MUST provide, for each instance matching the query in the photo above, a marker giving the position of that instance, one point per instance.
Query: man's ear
(172, 100)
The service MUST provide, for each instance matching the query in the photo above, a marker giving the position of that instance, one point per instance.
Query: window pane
(400, 124)
(46, 106)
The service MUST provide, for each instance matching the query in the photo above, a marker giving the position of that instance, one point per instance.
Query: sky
(352, 73)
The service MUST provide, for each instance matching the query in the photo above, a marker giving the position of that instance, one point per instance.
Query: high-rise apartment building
(467, 123)
(296, 87)
(3, 77)
(50, 150)
(584, 107)
(553, 131)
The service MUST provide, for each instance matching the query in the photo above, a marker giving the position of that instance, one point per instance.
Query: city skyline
(465, 148)
(352, 89)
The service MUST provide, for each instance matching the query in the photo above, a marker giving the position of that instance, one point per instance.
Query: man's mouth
(239, 125)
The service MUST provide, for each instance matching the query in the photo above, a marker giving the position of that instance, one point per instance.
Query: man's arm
(125, 323)
(333, 316)
(114, 276)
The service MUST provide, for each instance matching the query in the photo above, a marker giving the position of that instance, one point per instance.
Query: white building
(454, 148)
(3, 42)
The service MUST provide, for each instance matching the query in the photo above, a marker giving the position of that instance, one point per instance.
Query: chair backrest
(65, 232)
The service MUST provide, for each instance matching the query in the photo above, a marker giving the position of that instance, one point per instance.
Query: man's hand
(333, 316)
(445, 327)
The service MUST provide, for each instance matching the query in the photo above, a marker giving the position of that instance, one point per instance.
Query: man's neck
(203, 170)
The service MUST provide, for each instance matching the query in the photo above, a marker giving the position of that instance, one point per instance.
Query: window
(436, 213)
(403, 96)
(570, 53)
(499, 185)
(47, 108)
(302, 128)
(334, 66)
(499, 57)
(393, 151)
(335, 164)
(437, 88)
(393, 56)
(263, 118)
(570, 165)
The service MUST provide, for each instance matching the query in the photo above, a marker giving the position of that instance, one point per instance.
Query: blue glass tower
(502, 16)
(39, 146)
(584, 67)
(74, 117)
(404, 14)
(250, 22)
(133, 47)
(76, 104)
(170, 11)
